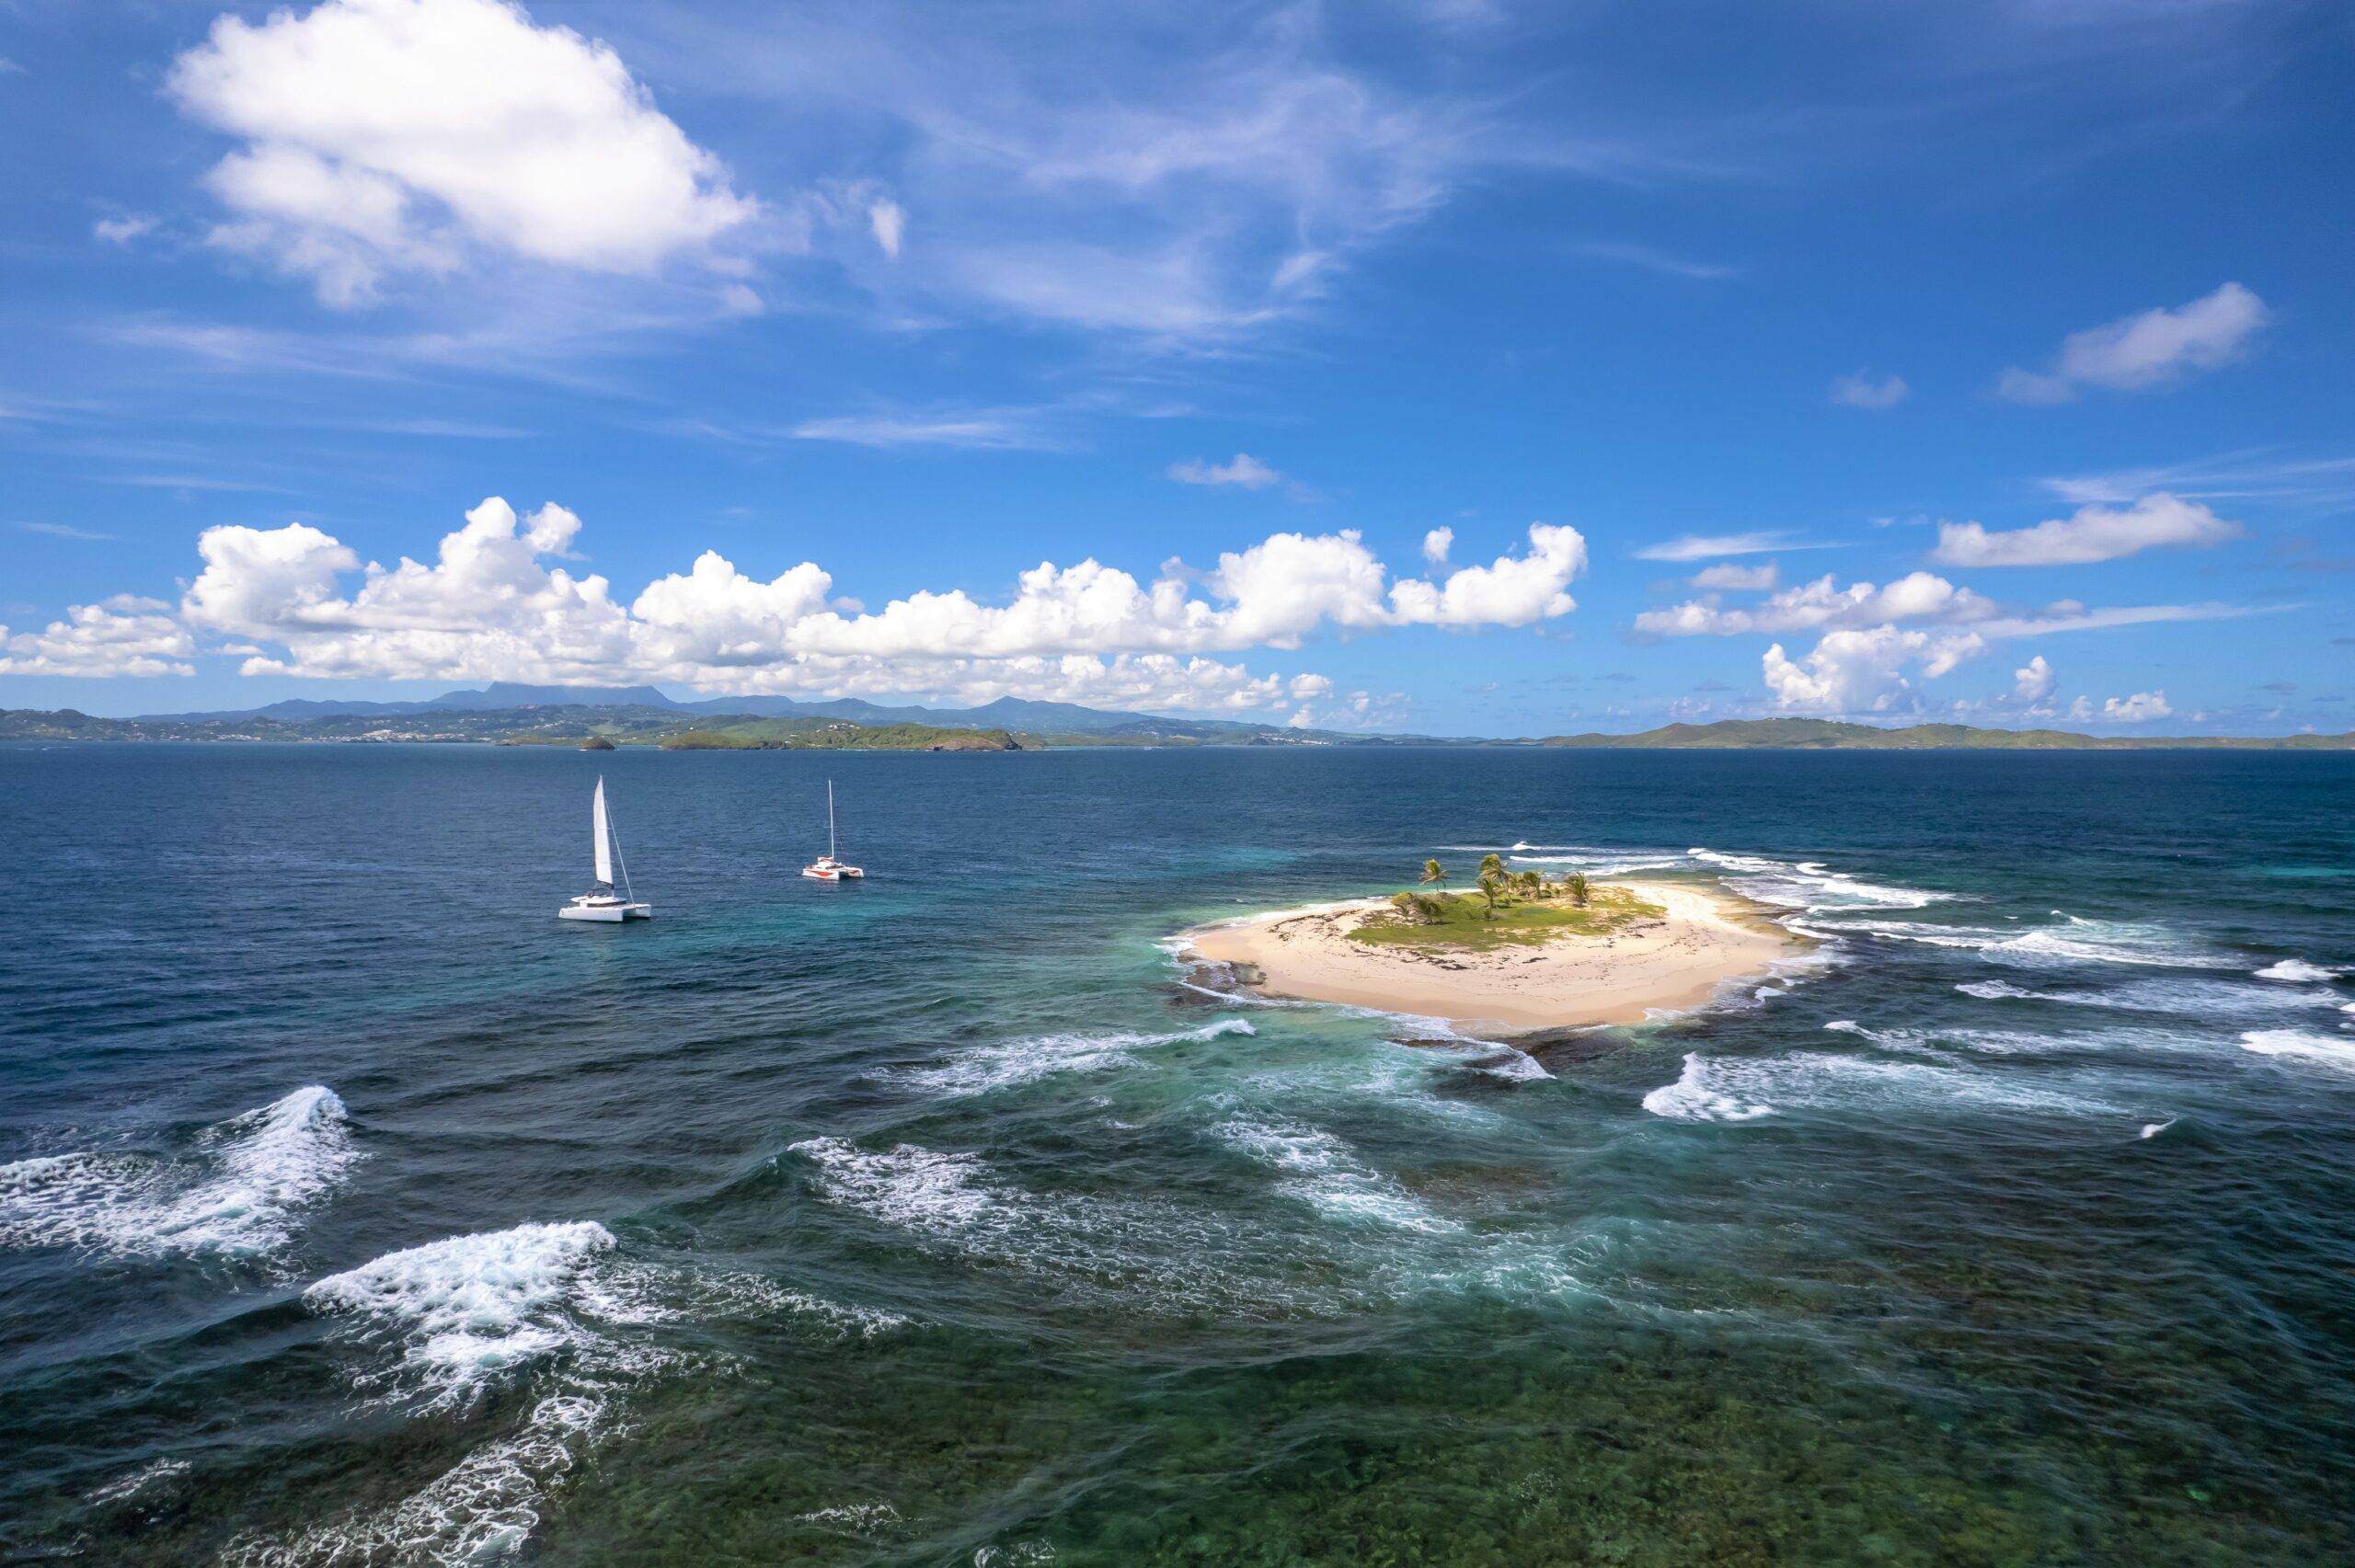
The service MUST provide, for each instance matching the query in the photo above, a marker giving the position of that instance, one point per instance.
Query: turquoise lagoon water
(353, 1208)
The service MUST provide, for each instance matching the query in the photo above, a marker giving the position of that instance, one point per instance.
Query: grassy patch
(1463, 920)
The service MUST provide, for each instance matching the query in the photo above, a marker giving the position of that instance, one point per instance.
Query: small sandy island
(1670, 947)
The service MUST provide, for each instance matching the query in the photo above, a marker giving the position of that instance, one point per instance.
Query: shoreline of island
(1699, 941)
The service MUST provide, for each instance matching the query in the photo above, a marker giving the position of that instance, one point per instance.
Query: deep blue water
(354, 1208)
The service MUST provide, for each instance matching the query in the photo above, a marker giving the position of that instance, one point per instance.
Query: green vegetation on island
(1506, 908)
(837, 735)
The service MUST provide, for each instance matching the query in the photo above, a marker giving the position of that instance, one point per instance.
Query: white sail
(603, 837)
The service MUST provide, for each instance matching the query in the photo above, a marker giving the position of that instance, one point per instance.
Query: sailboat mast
(830, 818)
(625, 860)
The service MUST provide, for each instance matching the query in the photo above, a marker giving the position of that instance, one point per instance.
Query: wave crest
(242, 1192)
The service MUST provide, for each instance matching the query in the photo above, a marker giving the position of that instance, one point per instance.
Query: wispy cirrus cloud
(1703, 546)
(64, 531)
(1650, 260)
(2261, 474)
(1000, 429)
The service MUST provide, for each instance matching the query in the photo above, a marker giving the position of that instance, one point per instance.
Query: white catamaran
(827, 868)
(605, 904)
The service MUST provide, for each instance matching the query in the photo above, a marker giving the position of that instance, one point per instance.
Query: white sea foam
(241, 1192)
(916, 1188)
(556, 1301)
(1157, 1253)
(1694, 1097)
(147, 1478)
(1743, 1088)
(469, 1308)
(2152, 1129)
(1809, 885)
(2297, 970)
(853, 1516)
(2080, 941)
(1027, 1060)
(484, 1507)
(2075, 943)
(1991, 990)
(1321, 1170)
(2332, 1050)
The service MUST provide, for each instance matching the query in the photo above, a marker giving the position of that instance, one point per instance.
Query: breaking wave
(1149, 1252)
(467, 1309)
(1016, 1062)
(554, 1302)
(2297, 970)
(2331, 1050)
(241, 1193)
(1321, 1170)
(1695, 1097)
(1743, 1088)
(2076, 942)
(1809, 885)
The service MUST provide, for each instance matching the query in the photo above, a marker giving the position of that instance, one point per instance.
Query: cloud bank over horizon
(497, 603)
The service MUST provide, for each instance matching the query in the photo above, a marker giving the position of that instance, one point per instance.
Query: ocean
(354, 1208)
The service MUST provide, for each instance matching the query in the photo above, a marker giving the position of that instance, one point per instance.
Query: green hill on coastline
(1823, 735)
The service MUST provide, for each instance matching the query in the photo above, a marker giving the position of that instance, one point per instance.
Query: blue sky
(1452, 368)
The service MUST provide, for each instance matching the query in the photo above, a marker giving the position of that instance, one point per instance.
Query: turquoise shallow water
(353, 1208)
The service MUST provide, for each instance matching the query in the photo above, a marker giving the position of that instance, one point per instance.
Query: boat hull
(606, 914)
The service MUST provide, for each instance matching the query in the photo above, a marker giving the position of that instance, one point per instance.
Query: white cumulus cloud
(123, 230)
(2154, 348)
(1863, 670)
(2032, 682)
(1861, 391)
(1918, 596)
(384, 136)
(2140, 708)
(121, 635)
(1727, 578)
(497, 602)
(2091, 534)
(1437, 544)
(1245, 472)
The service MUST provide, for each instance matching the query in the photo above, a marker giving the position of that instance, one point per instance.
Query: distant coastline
(505, 713)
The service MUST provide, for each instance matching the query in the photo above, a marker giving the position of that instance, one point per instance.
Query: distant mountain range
(1007, 713)
(516, 714)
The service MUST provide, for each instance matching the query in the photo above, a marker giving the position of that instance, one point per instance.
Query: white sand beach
(1569, 980)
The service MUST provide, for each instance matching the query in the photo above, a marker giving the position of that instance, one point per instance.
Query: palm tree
(1576, 883)
(1491, 884)
(1434, 871)
(1528, 882)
